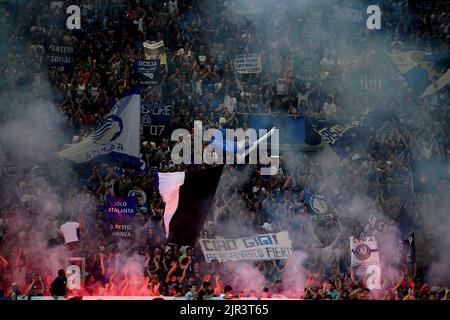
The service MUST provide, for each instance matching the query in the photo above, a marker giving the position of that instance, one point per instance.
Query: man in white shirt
(70, 230)
(329, 108)
(185, 53)
(230, 102)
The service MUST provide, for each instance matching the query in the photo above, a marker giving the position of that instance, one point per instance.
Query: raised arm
(4, 261)
(169, 274)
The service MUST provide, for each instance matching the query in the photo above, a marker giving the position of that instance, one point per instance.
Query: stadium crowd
(199, 81)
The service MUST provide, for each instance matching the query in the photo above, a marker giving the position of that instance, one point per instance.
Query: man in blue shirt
(212, 100)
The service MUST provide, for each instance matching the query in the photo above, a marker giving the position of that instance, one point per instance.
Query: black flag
(188, 197)
(410, 243)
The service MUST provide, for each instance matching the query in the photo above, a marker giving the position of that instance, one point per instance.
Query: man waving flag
(188, 194)
(117, 137)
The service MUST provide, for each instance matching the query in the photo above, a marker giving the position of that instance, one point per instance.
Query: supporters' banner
(155, 50)
(60, 56)
(271, 246)
(374, 226)
(316, 203)
(248, 63)
(141, 200)
(155, 121)
(281, 86)
(120, 212)
(425, 73)
(117, 137)
(148, 71)
(364, 255)
(364, 252)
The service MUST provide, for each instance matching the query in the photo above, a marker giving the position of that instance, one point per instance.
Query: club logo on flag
(117, 138)
(362, 252)
(109, 131)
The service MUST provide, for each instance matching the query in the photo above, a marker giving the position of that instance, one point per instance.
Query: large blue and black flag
(425, 73)
(345, 137)
(188, 195)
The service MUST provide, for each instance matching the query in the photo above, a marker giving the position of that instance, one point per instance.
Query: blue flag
(116, 138)
(426, 73)
(342, 135)
(239, 147)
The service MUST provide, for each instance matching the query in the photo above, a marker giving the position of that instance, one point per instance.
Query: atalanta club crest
(109, 131)
(362, 252)
(318, 204)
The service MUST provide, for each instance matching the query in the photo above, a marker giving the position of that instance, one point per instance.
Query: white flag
(116, 138)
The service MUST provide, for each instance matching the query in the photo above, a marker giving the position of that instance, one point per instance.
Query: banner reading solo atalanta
(120, 212)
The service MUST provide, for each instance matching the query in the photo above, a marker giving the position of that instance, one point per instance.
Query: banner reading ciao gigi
(270, 246)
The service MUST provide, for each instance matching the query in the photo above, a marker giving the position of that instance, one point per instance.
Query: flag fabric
(365, 256)
(425, 73)
(61, 56)
(148, 71)
(315, 203)
(407, 250)
(411, 246)
(344, 137)
(156, 121)
(364, 252)
(121, 212)
(374, 226)
(188, 197)
(263, 247)
(332, 131)
(117, 137)
(248, 63)
(240, 147)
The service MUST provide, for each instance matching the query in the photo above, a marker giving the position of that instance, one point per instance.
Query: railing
(50, 298)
